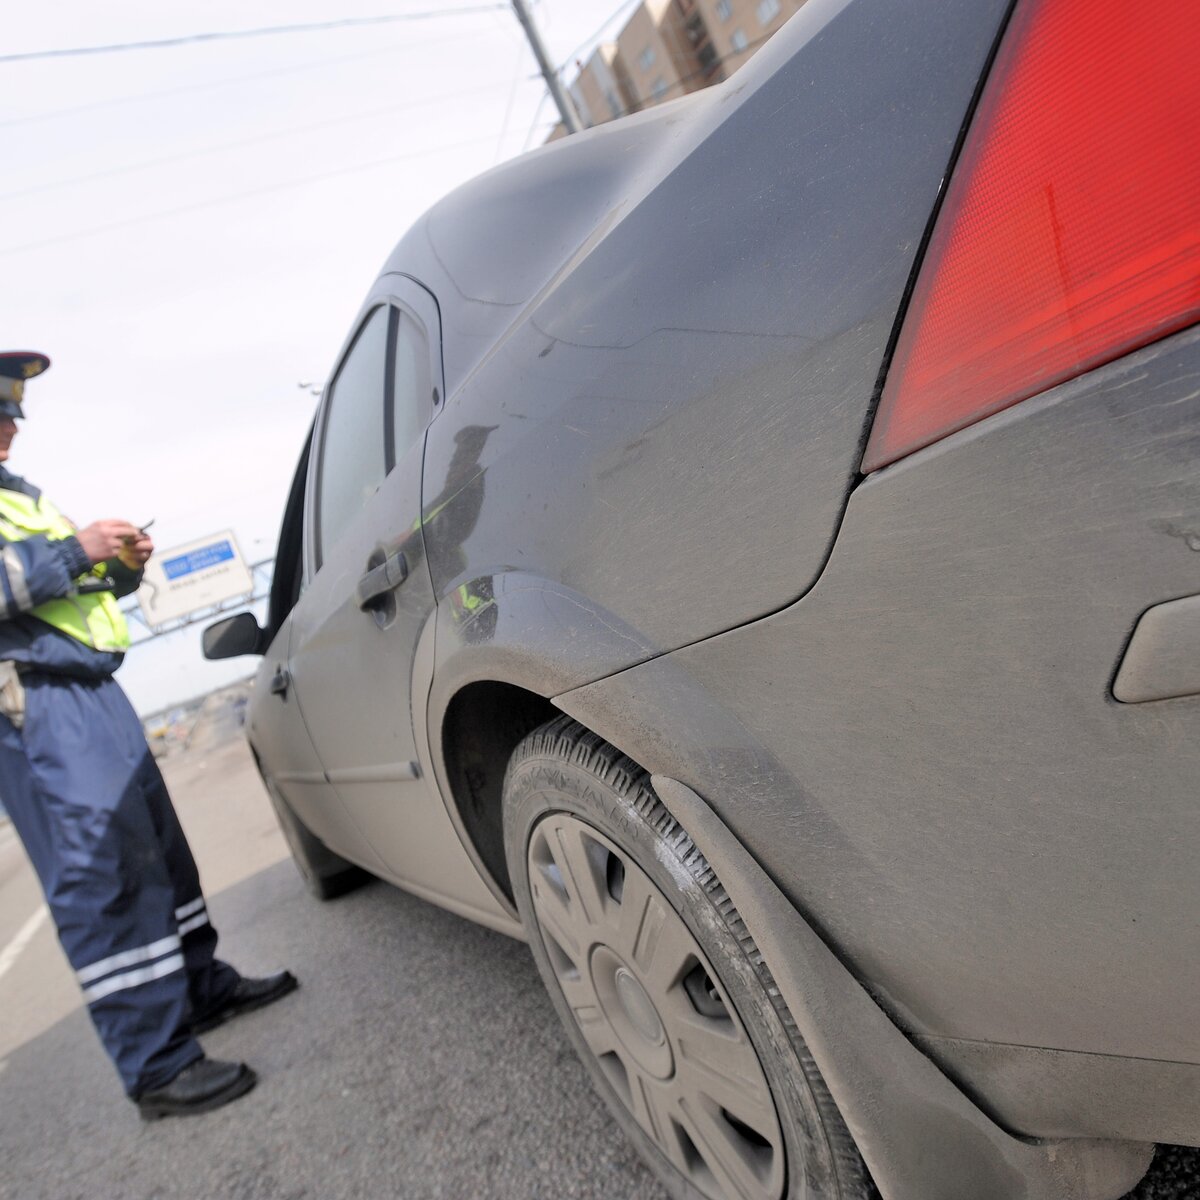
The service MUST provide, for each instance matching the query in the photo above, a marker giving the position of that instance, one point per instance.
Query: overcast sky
(188, 231)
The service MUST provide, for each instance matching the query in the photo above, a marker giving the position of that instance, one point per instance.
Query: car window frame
(319, 465)
(402, 311)
(407, 296)
(287, 578)
(410, 294)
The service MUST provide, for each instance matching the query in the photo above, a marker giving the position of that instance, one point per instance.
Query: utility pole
(566, 109)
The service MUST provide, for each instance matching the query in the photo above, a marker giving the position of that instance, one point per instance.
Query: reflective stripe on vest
(94, 619)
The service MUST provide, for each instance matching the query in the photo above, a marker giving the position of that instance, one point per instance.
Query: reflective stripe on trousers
(87, 800)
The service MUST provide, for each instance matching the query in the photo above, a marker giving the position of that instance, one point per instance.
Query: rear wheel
(659, 985)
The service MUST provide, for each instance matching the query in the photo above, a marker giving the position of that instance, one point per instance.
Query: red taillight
(1070, 232)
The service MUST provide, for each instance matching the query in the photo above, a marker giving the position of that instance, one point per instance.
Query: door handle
(279, 682)
(381, 579)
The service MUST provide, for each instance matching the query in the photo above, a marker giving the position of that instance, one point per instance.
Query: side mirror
(233, 636)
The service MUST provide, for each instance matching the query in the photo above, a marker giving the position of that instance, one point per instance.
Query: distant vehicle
(748, 550)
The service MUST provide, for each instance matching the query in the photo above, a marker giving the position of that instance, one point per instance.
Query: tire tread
(564, 739)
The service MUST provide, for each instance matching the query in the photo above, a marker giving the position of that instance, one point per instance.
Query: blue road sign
(198, 560)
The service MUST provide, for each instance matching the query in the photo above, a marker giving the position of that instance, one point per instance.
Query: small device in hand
(95, 583)
(130, 539)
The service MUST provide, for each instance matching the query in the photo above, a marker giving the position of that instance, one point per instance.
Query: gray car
(751, 551)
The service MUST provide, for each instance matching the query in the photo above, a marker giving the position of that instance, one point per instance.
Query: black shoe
(199, 1088)
(246, 997)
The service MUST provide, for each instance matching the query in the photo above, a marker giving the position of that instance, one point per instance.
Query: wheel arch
(488, 694)
(483, 724)
(490, 673)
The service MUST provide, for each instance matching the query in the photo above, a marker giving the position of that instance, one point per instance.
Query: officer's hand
(106, 539)
(136, 550)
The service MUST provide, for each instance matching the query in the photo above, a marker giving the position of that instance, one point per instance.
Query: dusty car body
(595, 447)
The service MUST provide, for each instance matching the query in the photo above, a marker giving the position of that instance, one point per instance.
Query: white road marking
(12, 951)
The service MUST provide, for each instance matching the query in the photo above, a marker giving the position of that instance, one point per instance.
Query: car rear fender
(922, 1138)
(498, 647)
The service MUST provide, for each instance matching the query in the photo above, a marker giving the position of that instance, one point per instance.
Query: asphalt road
(420, 1058)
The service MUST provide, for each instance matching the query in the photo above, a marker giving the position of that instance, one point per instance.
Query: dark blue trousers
(87, 799)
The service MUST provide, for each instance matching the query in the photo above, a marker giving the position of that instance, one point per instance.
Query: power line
(258, 139)
(563, 102)
(264, 31)
(589, 42)
(512, 95)
(537, 112)
(163, 214)
(313, 64)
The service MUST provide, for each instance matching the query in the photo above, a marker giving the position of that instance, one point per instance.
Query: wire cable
(163, 214)
(512, 95)
(312, 64)
(587, 44)
(264, 31)
(537, 112)
(240, 143)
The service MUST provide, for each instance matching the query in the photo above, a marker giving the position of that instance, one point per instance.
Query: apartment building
(599, 94)
(737, 28)
(668, 48)
(656, 55)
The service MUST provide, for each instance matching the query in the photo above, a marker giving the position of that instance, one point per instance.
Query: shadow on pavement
(420, 1058)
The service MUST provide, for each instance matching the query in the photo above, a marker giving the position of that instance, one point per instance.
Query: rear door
(369, 595)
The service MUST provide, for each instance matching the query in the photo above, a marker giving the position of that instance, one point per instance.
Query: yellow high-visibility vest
(95, 618)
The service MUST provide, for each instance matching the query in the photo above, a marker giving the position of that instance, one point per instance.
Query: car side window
(288, 579)
(352, 451)
(412, 385)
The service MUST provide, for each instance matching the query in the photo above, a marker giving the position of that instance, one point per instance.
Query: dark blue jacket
(51, 568)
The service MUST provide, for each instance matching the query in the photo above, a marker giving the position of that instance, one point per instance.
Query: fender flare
(921, 1137)
(529, 632)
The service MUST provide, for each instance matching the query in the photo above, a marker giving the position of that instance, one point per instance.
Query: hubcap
(639, 1008)
(631, 1014)
(651, 1010)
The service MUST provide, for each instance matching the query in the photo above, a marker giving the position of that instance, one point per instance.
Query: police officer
(85, 796)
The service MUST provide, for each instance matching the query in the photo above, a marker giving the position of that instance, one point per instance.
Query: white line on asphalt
(9, 954)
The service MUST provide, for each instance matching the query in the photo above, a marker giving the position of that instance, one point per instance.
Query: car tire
(326, 875)
(660, 986)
